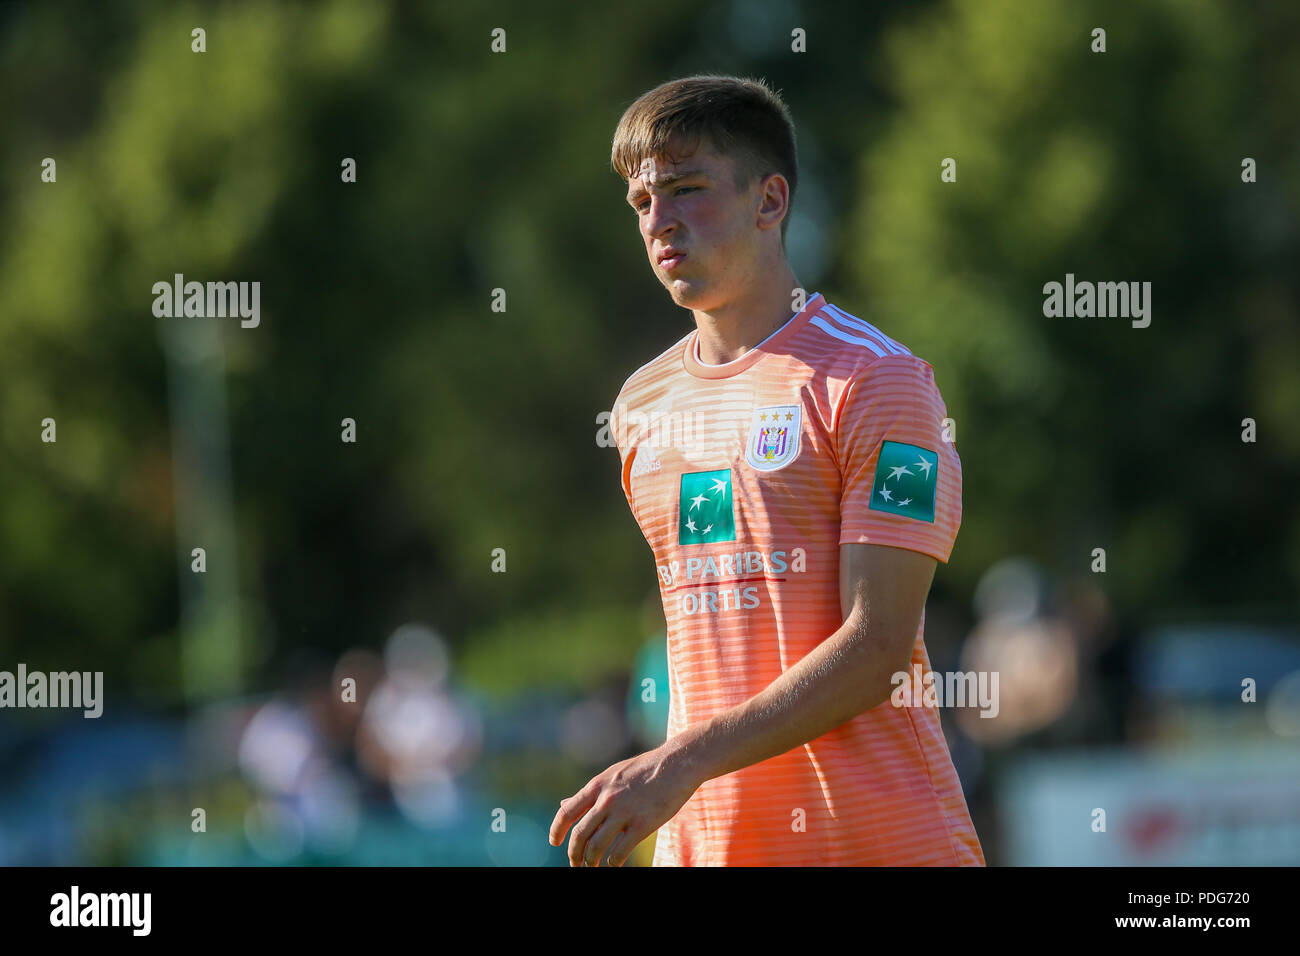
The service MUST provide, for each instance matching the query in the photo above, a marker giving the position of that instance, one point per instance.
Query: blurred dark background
(487, 695)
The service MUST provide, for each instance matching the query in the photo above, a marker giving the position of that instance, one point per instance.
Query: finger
(623, 848)
(558, 825)
(581, 834)
(601, 840)
(610, 854)
(570, 810)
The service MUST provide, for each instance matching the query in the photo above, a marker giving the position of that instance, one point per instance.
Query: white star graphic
(899, 470)
(905, 501)
(719, 484)
(690, 524)
(697, 501)
(924, 466)
(885, 493)
(707, 530)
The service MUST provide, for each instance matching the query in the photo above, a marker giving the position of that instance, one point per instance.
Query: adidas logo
(645, 462)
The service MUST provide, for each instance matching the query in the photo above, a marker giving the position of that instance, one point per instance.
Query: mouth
(671, 260)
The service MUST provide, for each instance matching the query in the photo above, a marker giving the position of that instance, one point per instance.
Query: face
(691, 206)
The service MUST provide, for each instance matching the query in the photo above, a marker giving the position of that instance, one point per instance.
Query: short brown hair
(742, 118)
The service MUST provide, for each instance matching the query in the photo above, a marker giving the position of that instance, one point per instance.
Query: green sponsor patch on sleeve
(906, 477)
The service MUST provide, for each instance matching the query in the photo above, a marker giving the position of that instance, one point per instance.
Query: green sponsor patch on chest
(705, 513)
(906, 478)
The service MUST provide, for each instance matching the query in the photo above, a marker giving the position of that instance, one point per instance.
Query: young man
(791, 476)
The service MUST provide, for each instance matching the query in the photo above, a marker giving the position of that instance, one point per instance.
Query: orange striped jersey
(745, 479)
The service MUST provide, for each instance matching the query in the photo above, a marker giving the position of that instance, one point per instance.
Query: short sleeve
(620, 442)
(900, 476)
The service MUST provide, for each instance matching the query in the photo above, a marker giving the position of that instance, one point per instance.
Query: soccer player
(787, 464)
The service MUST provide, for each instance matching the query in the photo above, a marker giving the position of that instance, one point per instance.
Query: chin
(684, 292)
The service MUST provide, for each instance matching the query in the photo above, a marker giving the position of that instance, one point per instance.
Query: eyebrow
(639, 190)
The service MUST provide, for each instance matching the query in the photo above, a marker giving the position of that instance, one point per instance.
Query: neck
(728, 331)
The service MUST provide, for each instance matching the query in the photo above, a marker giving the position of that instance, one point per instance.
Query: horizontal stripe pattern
(880, 789)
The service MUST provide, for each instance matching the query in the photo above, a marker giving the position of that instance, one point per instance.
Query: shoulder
(892, 393)
(652, 373)
(852, 341)
(840, 348)
(892, 372)
(857, 357)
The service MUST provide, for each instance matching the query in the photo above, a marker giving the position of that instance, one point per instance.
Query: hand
(624, 804)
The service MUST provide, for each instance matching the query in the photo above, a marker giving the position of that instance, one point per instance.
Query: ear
(774, 192)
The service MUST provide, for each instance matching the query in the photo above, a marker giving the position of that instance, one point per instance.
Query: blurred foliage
(1078, 433)
(476, 429)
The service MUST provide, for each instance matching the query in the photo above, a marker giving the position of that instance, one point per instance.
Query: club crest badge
(773, 437)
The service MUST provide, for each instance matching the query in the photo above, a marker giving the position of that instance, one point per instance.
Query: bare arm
(882, 595)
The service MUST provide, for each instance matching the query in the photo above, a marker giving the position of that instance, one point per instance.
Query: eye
(680, 189)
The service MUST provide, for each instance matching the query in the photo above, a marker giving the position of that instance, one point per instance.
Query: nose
(658, 220)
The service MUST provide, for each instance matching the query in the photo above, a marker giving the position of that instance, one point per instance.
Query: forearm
(848, 673)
